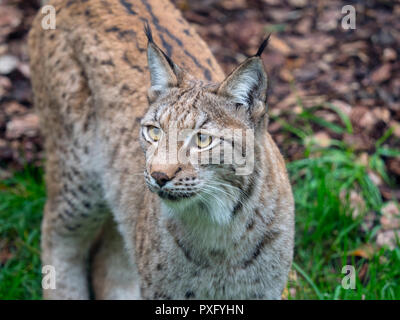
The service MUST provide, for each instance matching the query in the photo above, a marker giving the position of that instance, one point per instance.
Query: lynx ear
(164, 73)
(247, 84)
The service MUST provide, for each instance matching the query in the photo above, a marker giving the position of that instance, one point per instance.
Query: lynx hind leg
(71, 221)
(113, 275)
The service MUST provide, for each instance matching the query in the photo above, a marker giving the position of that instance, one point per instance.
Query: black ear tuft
(262, 46)
(149, 35)
(147, 31)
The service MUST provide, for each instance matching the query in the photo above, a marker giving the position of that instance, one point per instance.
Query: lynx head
(195, 134)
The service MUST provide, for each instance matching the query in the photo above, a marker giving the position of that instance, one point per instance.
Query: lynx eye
(154, 133)
(203, 140)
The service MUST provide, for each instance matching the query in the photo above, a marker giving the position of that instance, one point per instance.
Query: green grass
(326, 231)
(21, 203)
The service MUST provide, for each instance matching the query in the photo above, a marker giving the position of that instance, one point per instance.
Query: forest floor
(334, 105)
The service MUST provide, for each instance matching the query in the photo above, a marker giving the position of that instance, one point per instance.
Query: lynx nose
(161, 178)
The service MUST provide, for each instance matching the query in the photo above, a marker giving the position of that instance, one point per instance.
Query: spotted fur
(153, 231)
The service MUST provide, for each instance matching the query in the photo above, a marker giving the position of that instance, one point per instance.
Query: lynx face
(196, 136)
(182, 136)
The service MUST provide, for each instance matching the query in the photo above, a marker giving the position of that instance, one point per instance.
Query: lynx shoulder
(158, 167)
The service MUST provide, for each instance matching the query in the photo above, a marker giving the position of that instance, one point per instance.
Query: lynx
(111, 83)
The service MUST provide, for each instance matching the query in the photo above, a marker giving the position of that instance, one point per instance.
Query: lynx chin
(119, 222)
